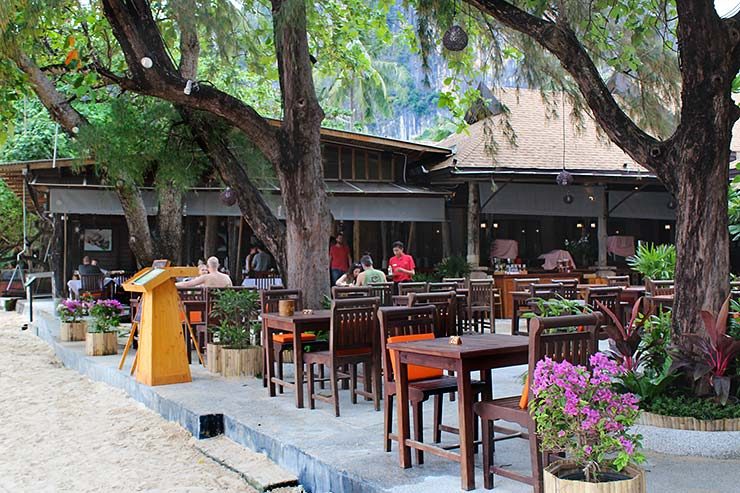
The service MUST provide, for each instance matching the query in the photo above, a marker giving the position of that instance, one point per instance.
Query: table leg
(298, 365)
(402, 411)
(466, 419)
(269, 359)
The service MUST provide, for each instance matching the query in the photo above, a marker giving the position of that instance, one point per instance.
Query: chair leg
(311, 394)
(334, 388)
(418, 429)
(388, 420)
(487, 454)
(353, 382)
(437, 437)
(279, 359)
(375, 371)
(367, 378)
(537, 461)
(321, 377)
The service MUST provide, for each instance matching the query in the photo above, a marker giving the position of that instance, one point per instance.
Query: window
(360, 164)
(373, 166)
(330, 156)
(346, 163)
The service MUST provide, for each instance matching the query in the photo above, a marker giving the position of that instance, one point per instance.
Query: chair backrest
(575, 346)
(608, 296)
(460, 281)
(92, 283)
(545, 291)
(402, 321)
(445, 306)
(382, 290)
(405, 288)
(569, 289)
(192, 294)
(354, 324)
(618, 281)
(270, 299)
(663, 288)
(480, 292)
(264, 279)
(398, 300)
(341, 292)
(436, 287)
(523, 284)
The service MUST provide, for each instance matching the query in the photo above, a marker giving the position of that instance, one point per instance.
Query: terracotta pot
(553, 482)
(240, 362)
(286, 308)
(73, 331)
(101, 343)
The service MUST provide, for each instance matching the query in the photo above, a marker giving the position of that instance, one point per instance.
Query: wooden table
(476, 353)
(296, 325)
(630, 294)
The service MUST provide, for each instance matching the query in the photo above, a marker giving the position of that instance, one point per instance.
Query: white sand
(61, 432)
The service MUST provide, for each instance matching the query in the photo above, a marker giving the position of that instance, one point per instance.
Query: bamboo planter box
(241, 362)
(101, 343)
(686, 423)
(73, 331)
(213, 357)
(553, 483)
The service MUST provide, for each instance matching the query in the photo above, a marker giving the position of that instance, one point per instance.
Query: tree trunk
(57, 254)
(170, 232)
(473, 224)
(134, 210)
(210, 240)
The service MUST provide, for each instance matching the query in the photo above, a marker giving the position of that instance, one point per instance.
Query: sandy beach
(62, 432)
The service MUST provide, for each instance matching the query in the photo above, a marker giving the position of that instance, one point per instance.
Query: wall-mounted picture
(98, 240)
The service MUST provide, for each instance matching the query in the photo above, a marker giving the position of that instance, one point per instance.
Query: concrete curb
(712, 444)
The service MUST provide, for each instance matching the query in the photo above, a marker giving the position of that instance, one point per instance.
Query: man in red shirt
(402, 265)
(339, 259)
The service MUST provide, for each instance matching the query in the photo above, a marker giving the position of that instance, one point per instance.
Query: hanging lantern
(564, 178)
(228, 197)
(455, 38)
(568, 198)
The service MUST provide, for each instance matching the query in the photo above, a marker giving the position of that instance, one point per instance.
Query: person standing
(369, 275)
(261, 260)
(339, 259)
(401, 264)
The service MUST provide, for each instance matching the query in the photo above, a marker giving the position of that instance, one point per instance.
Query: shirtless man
(213, 279)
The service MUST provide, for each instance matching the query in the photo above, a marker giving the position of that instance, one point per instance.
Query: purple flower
(627, 444)
(588, 449)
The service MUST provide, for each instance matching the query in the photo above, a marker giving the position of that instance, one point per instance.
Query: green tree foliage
(11, 223)
(32, 133)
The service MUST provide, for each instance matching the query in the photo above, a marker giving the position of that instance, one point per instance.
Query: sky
(725, 7)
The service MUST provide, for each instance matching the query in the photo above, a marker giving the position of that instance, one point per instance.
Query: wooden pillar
(211, 237)
(356, 250)
(410, 240)
(384, 245)
(232, 232)
(446, 246)
(602, 228)
(57, 256)
(473, 224)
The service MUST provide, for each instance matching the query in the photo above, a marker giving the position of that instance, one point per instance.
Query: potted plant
(576, 411)
(654, 262)
(72, 328)
(240, 353)
(102, 334)
(455, 266)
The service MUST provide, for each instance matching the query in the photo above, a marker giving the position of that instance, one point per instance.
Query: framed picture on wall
(98, 240)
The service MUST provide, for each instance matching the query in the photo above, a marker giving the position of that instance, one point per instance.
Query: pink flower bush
(578, 412)
(71, 311)
(105, 315)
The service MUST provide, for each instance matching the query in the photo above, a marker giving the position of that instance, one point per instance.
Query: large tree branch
(562, 42)
(139, 37)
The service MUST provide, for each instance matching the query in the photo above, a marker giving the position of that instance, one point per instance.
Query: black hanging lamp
(455, 38)
(564, 178)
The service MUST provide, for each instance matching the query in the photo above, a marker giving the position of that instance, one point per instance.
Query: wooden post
(356, 251)
(473, 224)
(210, 237)
(239, 248)
(232, 230)
(410, 240)
(57, 254)
(602, 228)
(384, 244)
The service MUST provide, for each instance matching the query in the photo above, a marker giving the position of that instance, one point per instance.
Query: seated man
(369, 275)
(214, 279)
(87, 268)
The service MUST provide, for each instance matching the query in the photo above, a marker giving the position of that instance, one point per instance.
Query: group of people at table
(401, 266)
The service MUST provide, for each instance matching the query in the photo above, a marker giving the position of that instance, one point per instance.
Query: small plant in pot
(654, 262)
(236, 309)
(102, 332)
(72, 328)
(576, 411)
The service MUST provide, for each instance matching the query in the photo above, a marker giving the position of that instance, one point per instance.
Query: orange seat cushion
(285, 338)
(196, 317)
(524, 400)
(415, 372)
(355, 351)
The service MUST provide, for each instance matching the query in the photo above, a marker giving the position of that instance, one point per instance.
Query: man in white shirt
(214, 278)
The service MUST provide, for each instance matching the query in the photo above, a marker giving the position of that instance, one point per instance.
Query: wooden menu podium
(162, 354)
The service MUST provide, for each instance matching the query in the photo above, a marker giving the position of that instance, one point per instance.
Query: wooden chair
(342, 292)
(460, 281)
(352, 340)
(405, 288)
(480, 304)
(382, 290)
(545, 291)
(623, 281)
(93, 284)
(663, 288)
(609, 297)
(445, 308)
(404, 324)
(397, 300)
(524, 283)
(520, 301)
(436, 287)
(569, 289)
(575, 347)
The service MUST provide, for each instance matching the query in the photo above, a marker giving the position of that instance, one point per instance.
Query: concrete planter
(73, 331)
(241, 362)
(101, 343)
(554, 484)
(684, 423)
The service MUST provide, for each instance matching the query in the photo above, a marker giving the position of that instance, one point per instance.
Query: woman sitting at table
(350, 277)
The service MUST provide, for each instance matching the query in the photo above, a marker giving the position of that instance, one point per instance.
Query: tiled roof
(538, 127)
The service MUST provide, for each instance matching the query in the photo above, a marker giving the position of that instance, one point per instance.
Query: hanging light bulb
(146, 62)
(568, 198)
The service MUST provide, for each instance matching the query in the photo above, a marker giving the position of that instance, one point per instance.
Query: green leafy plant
(656, 336)
(105, 316)
(692, 407)
(236, 309)
(657, 262)
(555, 307)
(426, 277)
(583, 250)
(733, 330)
(453, 266)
